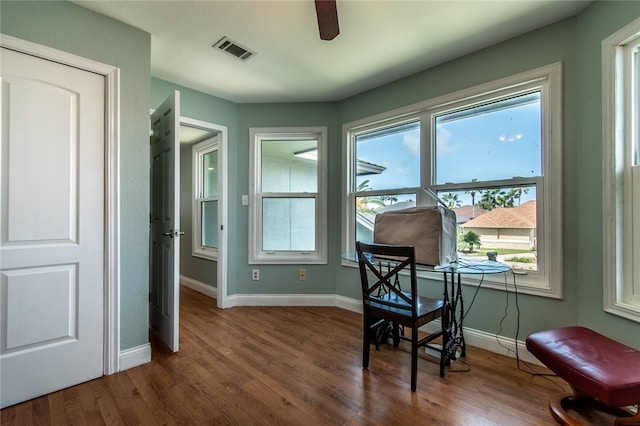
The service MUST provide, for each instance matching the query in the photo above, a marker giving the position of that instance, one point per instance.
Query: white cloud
(444, 145)
(411, 141)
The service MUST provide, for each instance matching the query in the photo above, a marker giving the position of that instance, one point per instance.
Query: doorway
(203, 257)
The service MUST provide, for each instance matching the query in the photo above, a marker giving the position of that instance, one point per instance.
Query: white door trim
(112, 185)
(224, 201)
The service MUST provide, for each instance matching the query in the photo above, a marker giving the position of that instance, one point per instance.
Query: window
(288, 179)
(488, 152)
(621, 167)
(386, 172)
(205, 199)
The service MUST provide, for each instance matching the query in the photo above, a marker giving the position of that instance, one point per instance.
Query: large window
(487, 152)
(621, 167)
(288, 214)
(205, 198)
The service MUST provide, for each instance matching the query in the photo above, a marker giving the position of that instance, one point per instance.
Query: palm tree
(390, 199)
(451, 200)
(496, 197)
(491, 198)
(472, 239)
(472, 192)
(363, 203)
(506, 200)
(516, 193)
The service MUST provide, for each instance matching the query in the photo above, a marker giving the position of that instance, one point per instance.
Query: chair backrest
(383, 263)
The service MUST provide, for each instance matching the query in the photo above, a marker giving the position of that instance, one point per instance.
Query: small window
(387, 172)
(288, 215)
(205, 207)
(621, 166)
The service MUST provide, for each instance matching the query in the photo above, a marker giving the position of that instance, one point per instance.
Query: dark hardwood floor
(293, 366)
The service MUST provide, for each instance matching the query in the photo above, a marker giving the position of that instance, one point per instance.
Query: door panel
(165, 221)
(50, 105)
(52, 225)
(31, 288)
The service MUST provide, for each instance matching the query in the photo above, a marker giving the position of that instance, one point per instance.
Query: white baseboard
(491, 342)
(133, 357)
(480, 339)
(198, 286)
(353, 305)
(499, 344)
(281, 300)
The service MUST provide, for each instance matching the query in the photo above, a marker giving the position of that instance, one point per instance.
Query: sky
(499, 144)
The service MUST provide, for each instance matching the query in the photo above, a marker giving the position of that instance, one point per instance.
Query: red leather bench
(599, 370)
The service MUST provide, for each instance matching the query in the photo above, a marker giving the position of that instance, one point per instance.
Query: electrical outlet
(302, 274)
(255, 274)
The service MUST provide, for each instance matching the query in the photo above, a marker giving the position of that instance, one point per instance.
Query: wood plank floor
(292, 366)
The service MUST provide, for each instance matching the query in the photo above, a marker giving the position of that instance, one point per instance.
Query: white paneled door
(51, 226)
(165, 221)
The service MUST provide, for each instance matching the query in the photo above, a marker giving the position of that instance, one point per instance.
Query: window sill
(513, 282)
(298, 260)
(629, 312)
(206, 254)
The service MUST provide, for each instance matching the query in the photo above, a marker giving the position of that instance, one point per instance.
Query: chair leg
(396, 335)
(414, 358)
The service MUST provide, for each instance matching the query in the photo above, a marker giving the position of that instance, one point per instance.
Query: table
(453, 316)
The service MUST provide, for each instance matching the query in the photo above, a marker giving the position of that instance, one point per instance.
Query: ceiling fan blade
(327, 13)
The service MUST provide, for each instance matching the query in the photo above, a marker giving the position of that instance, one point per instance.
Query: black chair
(384, 301)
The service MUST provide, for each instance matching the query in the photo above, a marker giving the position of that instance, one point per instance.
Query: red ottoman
(598, 369)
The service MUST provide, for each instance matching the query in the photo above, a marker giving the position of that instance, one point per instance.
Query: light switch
(245, 200)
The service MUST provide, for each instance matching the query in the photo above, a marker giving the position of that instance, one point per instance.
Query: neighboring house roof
(523, 216)
(397, 206)
(528, 210)
(468, 212)
(364, 168)
(366, 220)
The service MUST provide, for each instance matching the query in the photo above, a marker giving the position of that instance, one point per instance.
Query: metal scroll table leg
(459, 303)
(453, 317)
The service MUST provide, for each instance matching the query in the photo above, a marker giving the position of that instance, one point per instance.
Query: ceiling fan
(327, 13)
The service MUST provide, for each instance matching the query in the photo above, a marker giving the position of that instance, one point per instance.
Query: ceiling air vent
(233, 48)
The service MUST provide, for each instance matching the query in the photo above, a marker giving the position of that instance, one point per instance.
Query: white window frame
(199, 150)
(621, 169)
(256, 254)
(547, 281)
(351, 166)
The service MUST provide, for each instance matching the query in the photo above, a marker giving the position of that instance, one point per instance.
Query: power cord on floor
(519, 362)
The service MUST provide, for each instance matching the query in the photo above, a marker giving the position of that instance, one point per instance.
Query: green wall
(595, 24)
(284, 278)
(575, 42)
(73, 29)
(554, 43)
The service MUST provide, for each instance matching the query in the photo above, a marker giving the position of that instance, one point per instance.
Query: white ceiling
(379, 41)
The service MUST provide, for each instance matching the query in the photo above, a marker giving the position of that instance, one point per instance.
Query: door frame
(223, 208)
(111, 74)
